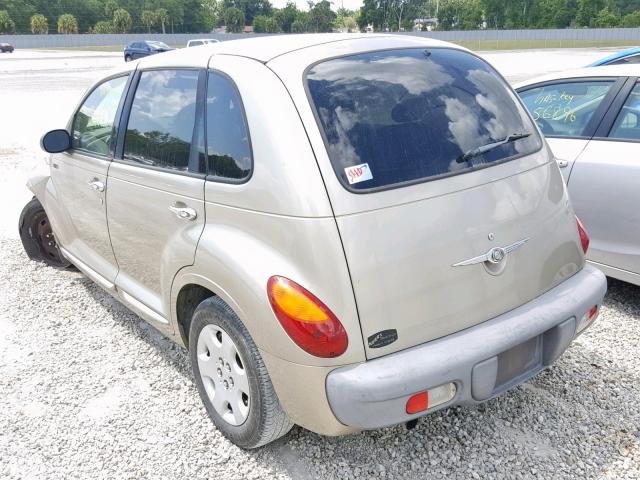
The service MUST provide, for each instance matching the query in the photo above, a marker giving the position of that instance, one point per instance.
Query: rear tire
(127, 58)
(37, 236)
(232, 379)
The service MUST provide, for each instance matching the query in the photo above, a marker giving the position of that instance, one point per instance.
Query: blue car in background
(631, 55)
(145, 48)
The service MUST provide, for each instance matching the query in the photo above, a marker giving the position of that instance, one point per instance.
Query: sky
(302, 4)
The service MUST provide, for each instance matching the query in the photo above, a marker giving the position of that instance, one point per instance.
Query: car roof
(629, 70)
(615, 56)
(266, 48)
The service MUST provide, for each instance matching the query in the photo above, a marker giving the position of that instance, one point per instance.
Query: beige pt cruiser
(346, 231)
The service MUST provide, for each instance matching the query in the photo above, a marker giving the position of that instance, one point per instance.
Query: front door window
(93, 126)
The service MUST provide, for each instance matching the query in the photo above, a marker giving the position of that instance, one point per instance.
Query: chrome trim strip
(88, 271)
(146, 311)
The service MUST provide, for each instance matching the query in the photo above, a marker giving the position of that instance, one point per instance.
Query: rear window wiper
(466, 156)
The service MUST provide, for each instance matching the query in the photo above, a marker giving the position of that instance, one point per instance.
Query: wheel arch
(189, 289)
(38, 185)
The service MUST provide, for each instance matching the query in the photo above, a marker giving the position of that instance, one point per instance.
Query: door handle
(96, 185)
(185, 213)
(562, 163)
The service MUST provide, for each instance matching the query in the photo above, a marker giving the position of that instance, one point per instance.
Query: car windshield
(158, 44)
(410, 115)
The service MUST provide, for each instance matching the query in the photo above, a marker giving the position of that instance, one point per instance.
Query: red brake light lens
(307, 321)
(418, 402)
(584, 238)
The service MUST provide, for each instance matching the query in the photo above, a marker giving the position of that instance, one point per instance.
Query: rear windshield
(411, 115)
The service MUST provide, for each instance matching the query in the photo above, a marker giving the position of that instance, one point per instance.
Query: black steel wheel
(37, 236)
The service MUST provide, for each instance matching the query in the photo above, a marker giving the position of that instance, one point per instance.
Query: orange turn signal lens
(307, 321)
(293, 302)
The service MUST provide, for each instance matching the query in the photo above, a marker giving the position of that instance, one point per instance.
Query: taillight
(421, 401)
(418, 403)
(584, 238)
(587, 318)
(308, 321)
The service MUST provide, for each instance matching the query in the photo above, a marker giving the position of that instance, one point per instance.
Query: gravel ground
(88, 390)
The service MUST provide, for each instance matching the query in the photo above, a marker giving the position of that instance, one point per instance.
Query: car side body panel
(82, 222)
(152, 243)
(566, 151)
(602, 175)
(605, 189)
(240, 250)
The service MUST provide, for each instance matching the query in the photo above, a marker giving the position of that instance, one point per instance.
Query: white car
(201, 41)
(591, 119)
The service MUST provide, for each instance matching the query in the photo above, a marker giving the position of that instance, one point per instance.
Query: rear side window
(627, 124)
(228, 147)
(564, 109)
(93, 130)
(412, 115)
(163, 112)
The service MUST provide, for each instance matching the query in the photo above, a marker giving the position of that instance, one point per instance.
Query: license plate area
(510, 367)
(517, 362)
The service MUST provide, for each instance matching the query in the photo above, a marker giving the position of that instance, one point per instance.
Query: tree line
(184, 16)
(167, 16)
(394, 15)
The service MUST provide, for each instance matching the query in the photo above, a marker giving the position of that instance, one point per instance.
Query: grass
(481, 45)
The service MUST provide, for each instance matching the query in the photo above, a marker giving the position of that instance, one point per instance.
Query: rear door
(156, 187)
(605, 187)
(568, 112)
(449, 207)
(80, 180)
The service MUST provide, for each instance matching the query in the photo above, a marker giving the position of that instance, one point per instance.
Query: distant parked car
(144, 49)
(591, 118)
(6, 47)
(201, 41)
(631, 55)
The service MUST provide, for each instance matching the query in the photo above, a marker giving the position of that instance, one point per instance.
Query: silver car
(196, 42)
(347, 232)
(591, 118)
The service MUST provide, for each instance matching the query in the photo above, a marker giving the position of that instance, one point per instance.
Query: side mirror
(55, 141)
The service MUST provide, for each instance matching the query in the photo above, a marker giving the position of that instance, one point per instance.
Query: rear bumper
(477, 360)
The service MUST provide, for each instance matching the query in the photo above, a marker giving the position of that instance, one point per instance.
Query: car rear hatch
(449, 209)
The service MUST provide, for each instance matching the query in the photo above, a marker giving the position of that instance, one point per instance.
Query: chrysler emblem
(494, 256)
